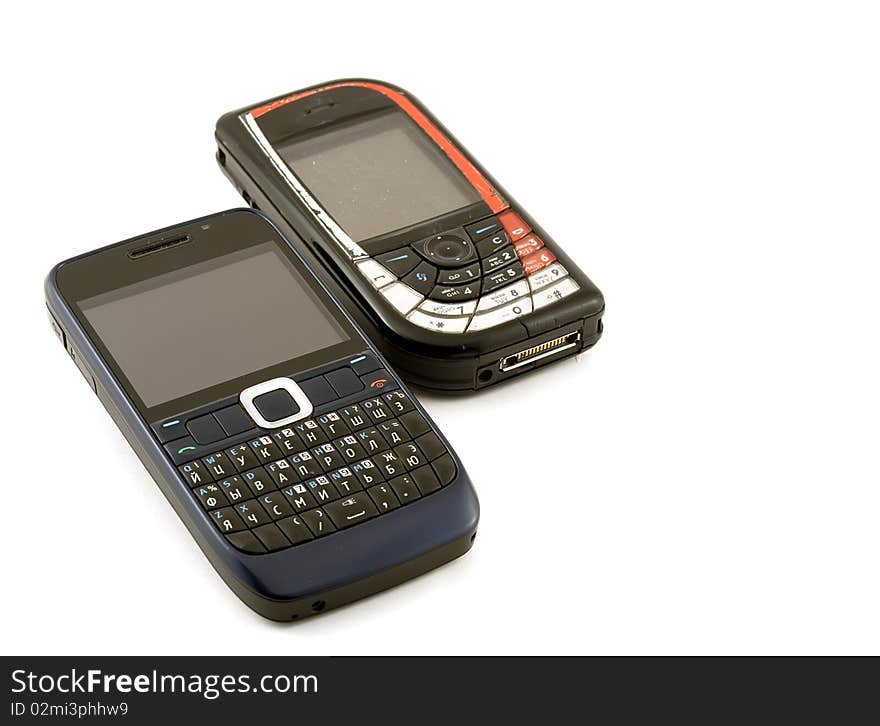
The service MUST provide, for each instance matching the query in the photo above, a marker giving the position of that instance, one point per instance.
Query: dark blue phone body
(309, 481)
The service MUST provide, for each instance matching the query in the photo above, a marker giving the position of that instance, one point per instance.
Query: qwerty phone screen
(212, 322)
(378, 175)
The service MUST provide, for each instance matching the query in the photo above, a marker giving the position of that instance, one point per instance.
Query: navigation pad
(471, 278)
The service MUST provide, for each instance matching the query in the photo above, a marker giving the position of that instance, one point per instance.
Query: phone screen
(378, 174)
(212, 322)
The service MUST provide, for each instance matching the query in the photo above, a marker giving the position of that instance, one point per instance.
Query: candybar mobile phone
(306, 471)
(459, 286)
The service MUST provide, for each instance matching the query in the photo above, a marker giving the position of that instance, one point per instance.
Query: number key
(282, 473)
(333, 424)
(328, 457)
(265, 449)
(287, 441)
(345, 481)
(349, 447)
(310, 433)
(305, 465)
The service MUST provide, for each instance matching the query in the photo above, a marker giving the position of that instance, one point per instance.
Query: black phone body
(298, 460)
(459, 286)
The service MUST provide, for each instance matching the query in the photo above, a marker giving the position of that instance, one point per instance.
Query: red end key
(537, 261)
(528, 244)
(513, 225)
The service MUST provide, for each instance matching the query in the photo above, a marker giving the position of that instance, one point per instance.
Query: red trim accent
(514, 226)
(477, 180)
(537, 261)
(527, 245)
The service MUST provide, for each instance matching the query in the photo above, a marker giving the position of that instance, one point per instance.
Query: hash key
(349, 447)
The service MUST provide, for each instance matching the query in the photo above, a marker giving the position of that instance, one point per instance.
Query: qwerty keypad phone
(458, 285)
(306, 471)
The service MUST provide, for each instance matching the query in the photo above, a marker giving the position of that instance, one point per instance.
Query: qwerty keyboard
(320, 475)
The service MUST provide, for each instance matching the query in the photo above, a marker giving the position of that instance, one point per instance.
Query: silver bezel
(348, 245)
(248, 395)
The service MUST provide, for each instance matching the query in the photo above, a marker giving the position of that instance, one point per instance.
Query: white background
(704, 481)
